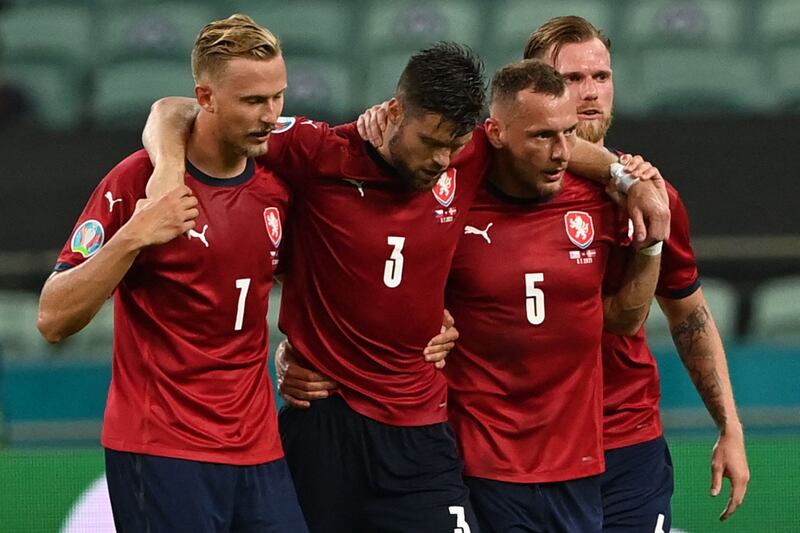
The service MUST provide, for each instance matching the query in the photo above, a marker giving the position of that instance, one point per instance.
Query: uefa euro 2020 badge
(88, 238)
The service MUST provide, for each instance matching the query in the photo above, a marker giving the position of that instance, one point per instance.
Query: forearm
(700, 347)
(70, 299)
(165, 138)
(591, 161)
(626, 310)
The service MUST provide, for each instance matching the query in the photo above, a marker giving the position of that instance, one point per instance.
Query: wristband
(622, 180)
(652, 250)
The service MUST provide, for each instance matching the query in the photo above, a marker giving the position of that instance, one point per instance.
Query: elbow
(625, 324)
(49, 328)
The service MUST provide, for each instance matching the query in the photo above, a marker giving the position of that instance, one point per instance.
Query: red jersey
(368, 265)
(190, 376)
(525, 375)
(632, 390)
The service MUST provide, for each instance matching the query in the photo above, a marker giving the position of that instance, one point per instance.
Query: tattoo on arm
(690, 338)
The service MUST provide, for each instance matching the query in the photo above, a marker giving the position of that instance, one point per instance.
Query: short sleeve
(679, 277)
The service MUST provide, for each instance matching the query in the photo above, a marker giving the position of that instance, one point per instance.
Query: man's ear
(495, 132)
(205, 97)
(395, 111)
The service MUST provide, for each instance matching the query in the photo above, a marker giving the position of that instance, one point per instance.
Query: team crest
(445, 189)
(284, 124)
(88, 238)
(272, 219)
(580, 228)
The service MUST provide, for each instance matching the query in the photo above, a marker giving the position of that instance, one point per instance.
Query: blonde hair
(236, 36)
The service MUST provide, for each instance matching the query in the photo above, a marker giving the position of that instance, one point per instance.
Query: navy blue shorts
(356, 475)
(562, 507)
(162, 494)
(637, 488)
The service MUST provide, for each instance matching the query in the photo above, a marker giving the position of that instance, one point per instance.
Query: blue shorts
(162, 494)
(637, 488)
(562, 507)
(356, 475)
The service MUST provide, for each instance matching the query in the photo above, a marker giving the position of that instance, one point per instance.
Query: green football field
(38, 488)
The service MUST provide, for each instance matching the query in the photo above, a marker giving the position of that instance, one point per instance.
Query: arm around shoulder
(165, 138)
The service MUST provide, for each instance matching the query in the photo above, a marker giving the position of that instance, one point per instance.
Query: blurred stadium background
(708, 89)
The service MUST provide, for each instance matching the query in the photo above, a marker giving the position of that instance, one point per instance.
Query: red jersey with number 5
(632, 391)
(190, 375)
(364, 291)
(525, 375)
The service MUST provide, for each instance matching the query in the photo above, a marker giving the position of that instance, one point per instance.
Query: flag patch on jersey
(445, 189)
(88, 238)
(272, 220)
(580, 228)
(284, 124)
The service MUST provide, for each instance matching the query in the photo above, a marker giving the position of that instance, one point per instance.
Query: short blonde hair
(236, 36)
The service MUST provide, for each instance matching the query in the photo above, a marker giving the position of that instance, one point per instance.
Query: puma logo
(111, 201)
(358, 185)
(202, 236)
(471, 230)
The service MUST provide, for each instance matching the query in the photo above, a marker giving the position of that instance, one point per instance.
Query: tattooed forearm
(692, 341)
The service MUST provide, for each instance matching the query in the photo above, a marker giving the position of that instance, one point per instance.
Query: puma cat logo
(471, 230)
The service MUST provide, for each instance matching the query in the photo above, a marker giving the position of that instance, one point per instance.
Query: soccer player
(638, 482)
(190, 430)
(373, 237)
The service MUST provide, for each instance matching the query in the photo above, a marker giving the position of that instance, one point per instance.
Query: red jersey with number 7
(190, 376)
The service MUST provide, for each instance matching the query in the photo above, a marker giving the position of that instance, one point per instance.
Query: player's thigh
(266, 501)
(637, 488)
(321, 446)
(162, 494)
(573, 505)
(505, 507)
(416, 481)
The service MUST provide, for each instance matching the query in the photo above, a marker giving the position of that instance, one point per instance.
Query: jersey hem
(203, 457)
(555, 476)
(681, 293)
(615, 443)
(367, 411)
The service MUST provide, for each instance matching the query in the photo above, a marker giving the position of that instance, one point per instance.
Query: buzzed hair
(446, 79)
(528, 74)
(236, 36)
(559, 31)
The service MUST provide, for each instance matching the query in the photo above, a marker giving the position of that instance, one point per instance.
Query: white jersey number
(393, 271)
(534, 298)
(461, 522)
(243, 285)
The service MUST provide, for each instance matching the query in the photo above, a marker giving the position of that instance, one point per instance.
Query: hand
(648, 209)
(160, 220)
(439, 346)
(638, 167)
(298, 385)
(163, 180)
(372, 123)
(730, 460)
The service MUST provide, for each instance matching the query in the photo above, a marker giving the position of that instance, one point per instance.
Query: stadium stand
(320, 88)
(776, 312)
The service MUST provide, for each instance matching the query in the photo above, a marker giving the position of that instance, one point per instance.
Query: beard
(594, 130)
(407, 176)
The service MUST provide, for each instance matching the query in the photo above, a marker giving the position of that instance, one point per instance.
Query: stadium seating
(160, 30)
(306, 26)
(382, 76)
(318, 87)
(703, 81)
(656, 23)
(19, 338)
(776, 312)
(46, 32)
(407, 25)
(515, 20)
(55, 90)
(787, 77)
(124, 91)
(779, 22)
(724, 301)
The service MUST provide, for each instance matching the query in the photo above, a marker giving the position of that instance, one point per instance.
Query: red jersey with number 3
(190, 375)
(364, 291)
(525, 375)
(632, 388)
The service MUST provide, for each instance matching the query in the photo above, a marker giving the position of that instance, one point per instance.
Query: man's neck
(209, 154)
(503, 176)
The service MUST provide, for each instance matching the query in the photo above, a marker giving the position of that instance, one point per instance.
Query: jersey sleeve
(679, 277)
(111, 204)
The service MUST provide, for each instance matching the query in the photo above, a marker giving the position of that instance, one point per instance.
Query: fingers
(305, 380)
(294, 402)
(440, 364)
(376, 123)
(639, 227)
(437, 352)
(738, 491)
(448, 321)
(716, 479)
(361, 126)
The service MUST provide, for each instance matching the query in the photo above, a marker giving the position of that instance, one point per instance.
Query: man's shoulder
(133, 171)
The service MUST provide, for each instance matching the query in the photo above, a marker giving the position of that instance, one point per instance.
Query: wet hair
(559, 31)
(236, 36)
(531, 74)
(446, 79)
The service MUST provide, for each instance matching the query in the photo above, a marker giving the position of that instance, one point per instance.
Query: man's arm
(70, 299)
(700, 347)
(165, 138)
(626, 310)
